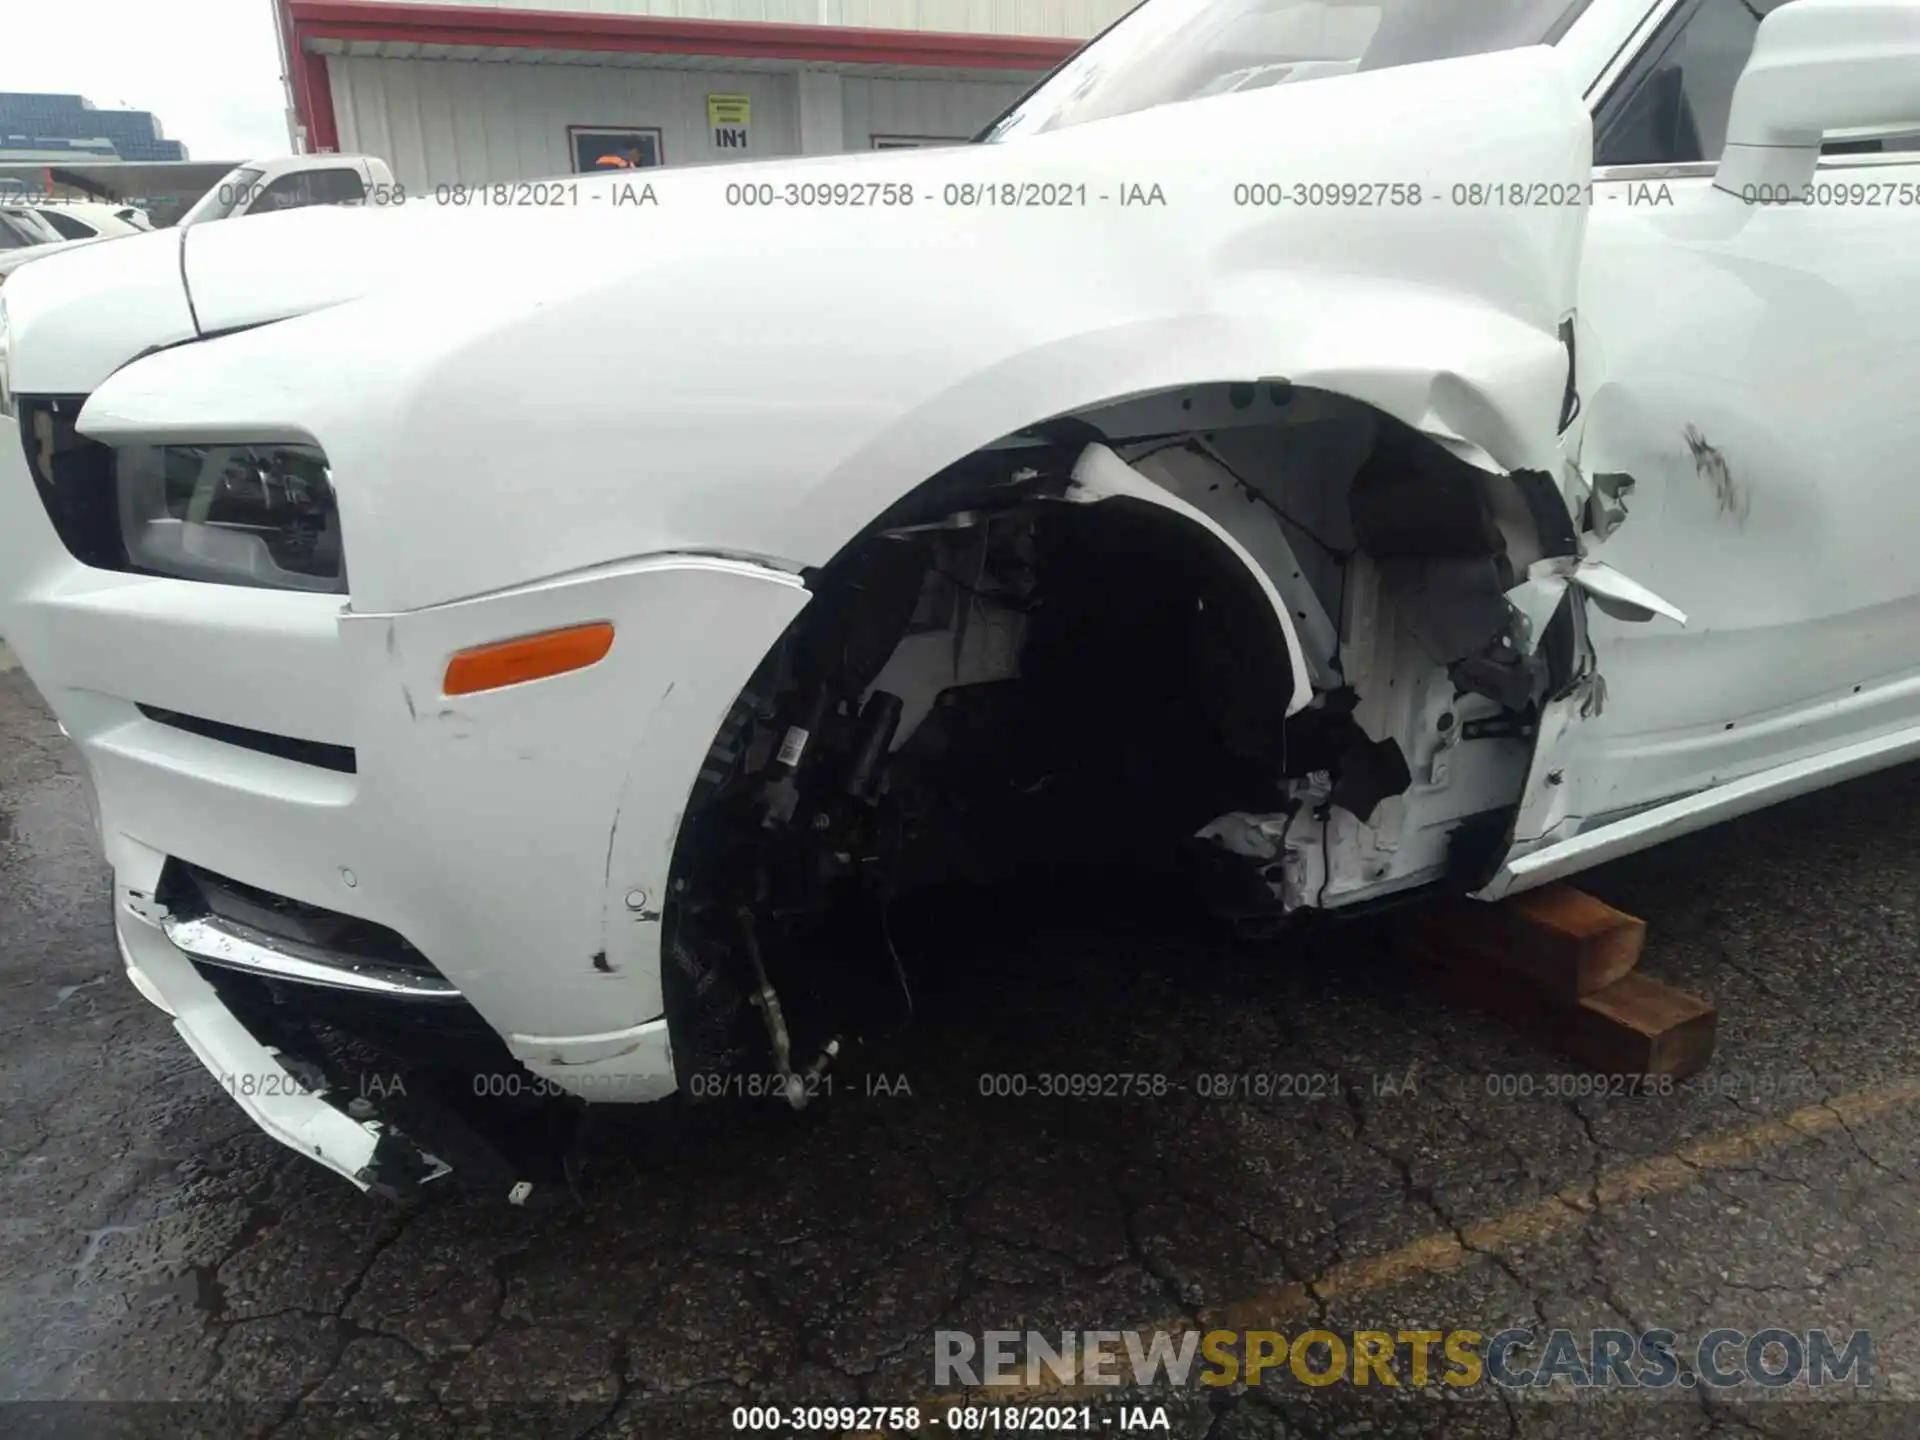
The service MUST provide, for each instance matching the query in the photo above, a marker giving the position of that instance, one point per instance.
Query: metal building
(479, 93)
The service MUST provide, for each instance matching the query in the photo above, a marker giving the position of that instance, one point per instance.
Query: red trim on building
(323, 131)
(289, 71)
(405, 23)
(307, 80)
(653, 34)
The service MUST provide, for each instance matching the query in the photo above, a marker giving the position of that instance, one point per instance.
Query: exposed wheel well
(1255, 665)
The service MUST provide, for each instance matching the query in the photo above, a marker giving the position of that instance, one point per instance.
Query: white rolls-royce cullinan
(1318, 450)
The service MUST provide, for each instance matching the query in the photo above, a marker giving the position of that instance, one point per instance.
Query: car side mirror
(1819, 66)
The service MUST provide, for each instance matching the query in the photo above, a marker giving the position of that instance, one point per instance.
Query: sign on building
(729, 116)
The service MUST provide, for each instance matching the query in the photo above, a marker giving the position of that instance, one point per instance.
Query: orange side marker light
(531, 657)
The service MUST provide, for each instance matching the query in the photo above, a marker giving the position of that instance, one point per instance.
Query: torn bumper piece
(282, 1095)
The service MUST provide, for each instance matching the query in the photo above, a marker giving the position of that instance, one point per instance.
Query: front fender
(763, 384)
(1450, 366)
(464, 489)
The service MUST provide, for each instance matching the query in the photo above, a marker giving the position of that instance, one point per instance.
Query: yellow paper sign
(727, 110)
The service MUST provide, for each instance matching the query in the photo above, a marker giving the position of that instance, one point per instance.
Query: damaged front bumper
(517, 842)
(285, 1096)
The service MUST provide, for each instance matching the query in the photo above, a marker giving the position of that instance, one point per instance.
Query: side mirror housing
(1819, 66)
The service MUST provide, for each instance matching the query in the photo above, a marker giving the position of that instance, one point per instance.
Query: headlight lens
(236, 514)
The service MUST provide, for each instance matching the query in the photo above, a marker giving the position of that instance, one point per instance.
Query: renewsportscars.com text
(1515, 1358)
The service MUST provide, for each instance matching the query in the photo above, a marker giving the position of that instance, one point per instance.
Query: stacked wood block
(1560, 964)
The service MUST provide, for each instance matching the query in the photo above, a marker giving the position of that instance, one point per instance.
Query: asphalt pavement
(1314, 1139)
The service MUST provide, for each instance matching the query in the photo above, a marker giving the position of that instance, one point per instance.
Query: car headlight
(235, 514)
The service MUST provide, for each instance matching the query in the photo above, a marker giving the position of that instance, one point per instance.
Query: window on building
(598, 149)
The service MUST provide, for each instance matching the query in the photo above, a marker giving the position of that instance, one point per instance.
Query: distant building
(68, 127)
(19, 150)
(473, 92)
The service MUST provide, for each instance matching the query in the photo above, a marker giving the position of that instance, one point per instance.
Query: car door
(1750, 366)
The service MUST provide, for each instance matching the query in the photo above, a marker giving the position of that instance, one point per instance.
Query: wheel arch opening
(1247, 639)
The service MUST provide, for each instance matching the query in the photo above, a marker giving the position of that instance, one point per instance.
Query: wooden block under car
(1562, 940)
(1537, 969)
(1641, 1026)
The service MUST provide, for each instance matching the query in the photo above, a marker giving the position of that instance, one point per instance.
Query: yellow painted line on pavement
(1526, 1225)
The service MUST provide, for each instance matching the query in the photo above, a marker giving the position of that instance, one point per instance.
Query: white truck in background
(287, 182)
(292, 182)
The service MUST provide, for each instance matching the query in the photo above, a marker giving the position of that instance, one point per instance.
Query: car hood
(771, 353)
(280, 265)
(11, 260)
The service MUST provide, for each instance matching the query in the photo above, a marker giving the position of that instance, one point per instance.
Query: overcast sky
(208, 68)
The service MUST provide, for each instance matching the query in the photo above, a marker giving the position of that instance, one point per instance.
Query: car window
(235, 190)
(336, 185)
(70, 227)
(1672, 106)
(19, 229)
(289, 192)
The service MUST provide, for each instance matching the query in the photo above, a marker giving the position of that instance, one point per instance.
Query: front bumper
(289, 1106)
(520, 839)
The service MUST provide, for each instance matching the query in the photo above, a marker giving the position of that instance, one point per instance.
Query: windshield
(1167, 51)
(236, 189)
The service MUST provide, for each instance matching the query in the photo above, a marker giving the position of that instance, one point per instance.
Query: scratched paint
(1729, 496)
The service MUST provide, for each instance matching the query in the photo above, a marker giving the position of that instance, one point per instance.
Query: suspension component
(881, 719)
(768, 1001)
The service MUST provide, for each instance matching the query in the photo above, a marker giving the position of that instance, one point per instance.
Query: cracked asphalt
(157, 1252)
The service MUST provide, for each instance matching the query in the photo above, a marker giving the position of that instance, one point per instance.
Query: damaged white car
(1328, 450)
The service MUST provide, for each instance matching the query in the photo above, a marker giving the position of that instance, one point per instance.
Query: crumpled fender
(763, 383)
(1101, 475)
